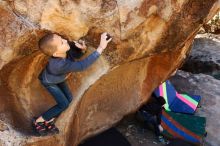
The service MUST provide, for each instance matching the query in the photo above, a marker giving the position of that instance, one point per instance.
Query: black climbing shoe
(39, 127)
(51, 127)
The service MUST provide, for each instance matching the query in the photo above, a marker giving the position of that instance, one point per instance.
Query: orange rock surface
(151, 39)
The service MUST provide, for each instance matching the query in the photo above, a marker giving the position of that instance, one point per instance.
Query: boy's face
(61, 44)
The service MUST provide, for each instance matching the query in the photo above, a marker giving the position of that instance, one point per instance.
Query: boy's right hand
(103, 42)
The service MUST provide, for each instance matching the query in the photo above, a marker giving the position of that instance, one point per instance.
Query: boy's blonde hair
(45, 44)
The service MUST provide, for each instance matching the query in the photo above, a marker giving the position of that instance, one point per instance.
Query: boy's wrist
(84, 51)
(100, 49)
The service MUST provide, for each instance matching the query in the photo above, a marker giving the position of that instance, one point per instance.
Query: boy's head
(53, 45)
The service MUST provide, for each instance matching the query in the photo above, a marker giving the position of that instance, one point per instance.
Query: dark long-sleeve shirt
(57, 68)
(153, 108)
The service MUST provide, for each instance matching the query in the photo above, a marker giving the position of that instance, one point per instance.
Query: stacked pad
(188, 127)
(181, 103)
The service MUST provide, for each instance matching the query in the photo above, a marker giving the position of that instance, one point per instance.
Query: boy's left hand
(81, 44)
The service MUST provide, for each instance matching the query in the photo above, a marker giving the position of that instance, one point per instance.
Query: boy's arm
(71, 66)
(74, 66)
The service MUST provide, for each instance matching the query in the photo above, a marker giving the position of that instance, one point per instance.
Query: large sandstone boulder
(151, 40)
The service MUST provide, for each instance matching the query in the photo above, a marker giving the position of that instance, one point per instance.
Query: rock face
(208, 88)
(3, 127)
(151, 40)
(213, 26)
(205, 56)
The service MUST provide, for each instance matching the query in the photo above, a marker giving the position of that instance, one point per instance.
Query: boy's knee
(70, 99)
(64, 105)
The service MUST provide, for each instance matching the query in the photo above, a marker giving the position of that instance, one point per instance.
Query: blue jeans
(63, 97)
(150, 119)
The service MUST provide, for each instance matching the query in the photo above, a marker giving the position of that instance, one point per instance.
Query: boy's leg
(62, 102)
(153, 121)
(64, 87)
(146, 117)
(160, 138)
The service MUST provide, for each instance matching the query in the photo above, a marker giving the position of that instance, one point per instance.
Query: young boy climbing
(61, 62)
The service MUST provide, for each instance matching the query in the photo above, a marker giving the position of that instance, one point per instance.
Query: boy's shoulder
(56, 62)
